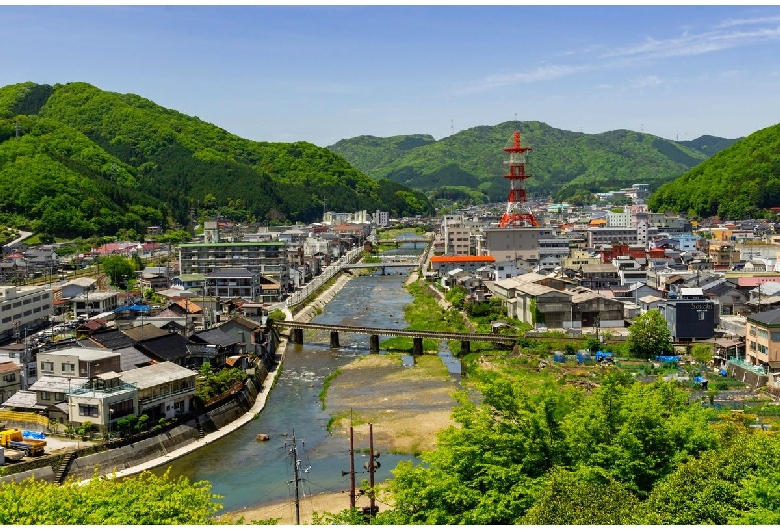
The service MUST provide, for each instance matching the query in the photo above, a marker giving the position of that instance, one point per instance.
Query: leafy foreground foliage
(626, 453)
(145, 499)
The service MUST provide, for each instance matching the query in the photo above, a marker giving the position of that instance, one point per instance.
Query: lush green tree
(637, 432)
(587, 496)
(487, 470)
(728, 485)
(649, 336)
(145, 499)
(118, 268)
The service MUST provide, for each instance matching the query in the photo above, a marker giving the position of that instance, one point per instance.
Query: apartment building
(456, 235)
(268, 258)
(23, 309)
(762, 338)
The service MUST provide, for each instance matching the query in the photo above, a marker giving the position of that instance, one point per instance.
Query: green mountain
(79, 161)
(562, 163)
(736, 183)
(709, 145)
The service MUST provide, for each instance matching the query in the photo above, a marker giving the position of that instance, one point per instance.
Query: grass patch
(326, 385)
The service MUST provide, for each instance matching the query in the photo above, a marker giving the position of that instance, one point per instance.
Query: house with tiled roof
(10, 379)
(171, 347)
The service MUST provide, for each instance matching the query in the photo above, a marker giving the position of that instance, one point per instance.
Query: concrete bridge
(383, 265)
(296, 335)
(399, 241)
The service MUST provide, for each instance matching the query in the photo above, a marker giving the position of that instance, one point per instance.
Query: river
(250, 473)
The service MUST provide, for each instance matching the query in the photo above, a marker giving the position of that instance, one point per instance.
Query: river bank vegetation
(550, 443)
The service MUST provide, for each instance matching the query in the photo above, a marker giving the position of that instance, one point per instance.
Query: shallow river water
(250, 473)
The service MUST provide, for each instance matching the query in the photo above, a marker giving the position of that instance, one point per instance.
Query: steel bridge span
(296, 335)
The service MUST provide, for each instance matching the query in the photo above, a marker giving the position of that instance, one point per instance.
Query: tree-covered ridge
(561, 162)
(737, 183)
(709, 145)
(369, 153)
(117, 152)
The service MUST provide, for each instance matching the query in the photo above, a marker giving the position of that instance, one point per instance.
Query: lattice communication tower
(517, 213)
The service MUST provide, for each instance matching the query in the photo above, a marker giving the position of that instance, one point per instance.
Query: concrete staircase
(62, 469)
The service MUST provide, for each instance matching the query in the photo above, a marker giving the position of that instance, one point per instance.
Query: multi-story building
(381, 218)
(608, 235)
(233, 283)
(164, 390)
(77, 362)
(762, 338)
(557, 247)
(619, 218)
(456, 235)
(91, 304)
(268, 258)
(513, 244)
(23, 309)
(723, 256)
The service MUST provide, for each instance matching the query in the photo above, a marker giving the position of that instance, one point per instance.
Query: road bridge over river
(296, 335)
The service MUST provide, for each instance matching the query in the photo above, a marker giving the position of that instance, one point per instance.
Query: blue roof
(136, 307)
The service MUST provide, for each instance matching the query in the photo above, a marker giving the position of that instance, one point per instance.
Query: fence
(24, 417)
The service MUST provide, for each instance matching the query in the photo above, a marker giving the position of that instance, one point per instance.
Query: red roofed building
(445, 264)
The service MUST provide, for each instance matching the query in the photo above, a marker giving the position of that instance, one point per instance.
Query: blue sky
(324, 73)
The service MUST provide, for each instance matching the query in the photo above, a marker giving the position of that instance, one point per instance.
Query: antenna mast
(517, 213)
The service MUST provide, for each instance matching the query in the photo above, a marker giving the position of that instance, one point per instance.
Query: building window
(776, 336)
(68, 367)
(9, 378)
(47, 366)
(88, 410)
(45, 396)
(59, 396)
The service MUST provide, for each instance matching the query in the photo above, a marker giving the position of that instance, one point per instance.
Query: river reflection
(249, 473)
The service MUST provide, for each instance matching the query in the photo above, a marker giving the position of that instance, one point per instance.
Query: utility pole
(296, 479)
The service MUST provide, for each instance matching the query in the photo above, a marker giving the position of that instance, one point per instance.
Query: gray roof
(23, 399)
(156, 374)
(84, 354)
(769, 318)
(54, 383)
(130, 358)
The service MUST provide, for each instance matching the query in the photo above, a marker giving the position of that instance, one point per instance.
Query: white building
(23, 309)
(381, 218)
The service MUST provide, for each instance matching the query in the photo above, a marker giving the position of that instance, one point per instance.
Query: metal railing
(760, 370)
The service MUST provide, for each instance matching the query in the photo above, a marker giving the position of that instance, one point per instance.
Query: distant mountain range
(470, 163)
(79, 161)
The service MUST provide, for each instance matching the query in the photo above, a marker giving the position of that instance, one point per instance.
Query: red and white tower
(517, 213)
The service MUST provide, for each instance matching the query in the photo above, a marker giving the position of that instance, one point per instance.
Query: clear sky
(324, 73)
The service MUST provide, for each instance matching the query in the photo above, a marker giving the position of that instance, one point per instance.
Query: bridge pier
(297, 336)
(465, 347)
(373, 344)
(334, 339)
(417, 348)
(384, 271)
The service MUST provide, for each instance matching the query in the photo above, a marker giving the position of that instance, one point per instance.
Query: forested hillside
(77, 161)
(736, 183)
(562, 163)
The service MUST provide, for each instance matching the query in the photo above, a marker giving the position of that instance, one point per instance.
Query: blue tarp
(33, 435)
(699, 379)
(723, 372)
(559, 357)
(667, 358)
(601, 355)
(136, 307)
